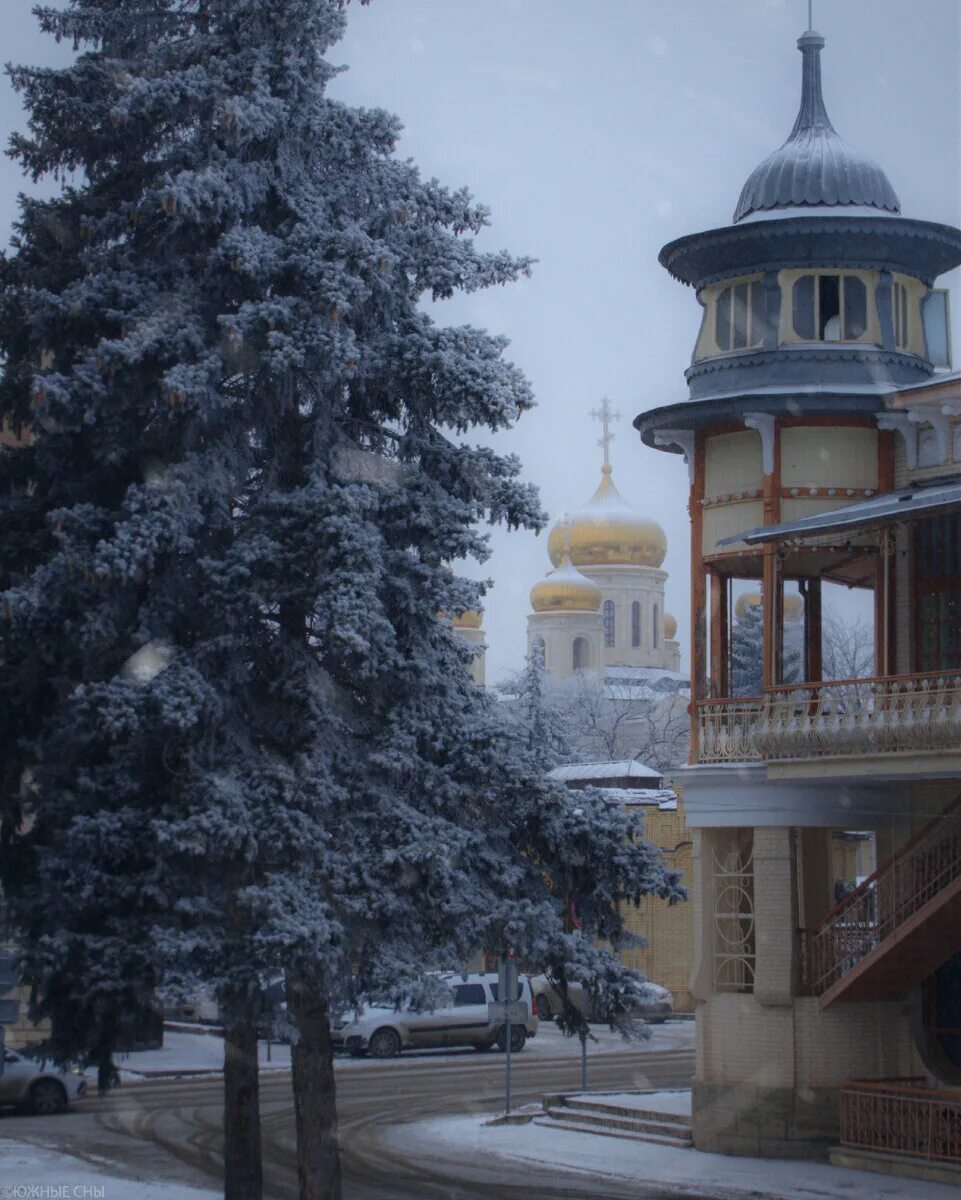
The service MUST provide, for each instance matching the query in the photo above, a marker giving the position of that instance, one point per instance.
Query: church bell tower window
(635, 624)
(608, 622)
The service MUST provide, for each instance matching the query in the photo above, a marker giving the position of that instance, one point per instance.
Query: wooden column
(719, 683)
(698, 591)
(885, 576)
(813, 664)
(772, 589)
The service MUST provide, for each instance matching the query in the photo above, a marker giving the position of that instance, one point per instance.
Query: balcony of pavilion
(905, 547)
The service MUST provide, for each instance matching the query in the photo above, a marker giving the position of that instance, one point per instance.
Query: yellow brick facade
(667, 929)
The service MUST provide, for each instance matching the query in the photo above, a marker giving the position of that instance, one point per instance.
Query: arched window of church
(635, 624)
(608, 622)
(582, 654)
(656, 633)
(539, 651)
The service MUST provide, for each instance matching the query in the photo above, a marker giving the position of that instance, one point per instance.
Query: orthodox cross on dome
(606, 415)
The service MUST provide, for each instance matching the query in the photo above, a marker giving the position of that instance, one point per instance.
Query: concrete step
(676, 1120)
(618, 1121)
(612, 1131)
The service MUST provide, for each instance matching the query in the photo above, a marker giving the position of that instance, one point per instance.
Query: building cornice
(923, 249)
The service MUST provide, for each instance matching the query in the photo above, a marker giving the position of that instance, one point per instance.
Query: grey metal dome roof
(814, 166)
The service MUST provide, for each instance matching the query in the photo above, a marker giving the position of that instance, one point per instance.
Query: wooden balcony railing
(901, 1116)
(898, 889)
(854, 716)
(884, 715)
(726, 730)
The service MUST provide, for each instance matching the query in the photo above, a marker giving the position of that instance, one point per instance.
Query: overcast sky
(596, 133)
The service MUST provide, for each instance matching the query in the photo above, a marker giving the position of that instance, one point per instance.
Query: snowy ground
(30, 1171)
(683, 1171)
(189, 1052)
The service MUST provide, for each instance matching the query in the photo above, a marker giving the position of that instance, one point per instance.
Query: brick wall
(668, 929)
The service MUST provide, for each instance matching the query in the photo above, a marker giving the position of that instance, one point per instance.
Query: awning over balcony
(920, 500)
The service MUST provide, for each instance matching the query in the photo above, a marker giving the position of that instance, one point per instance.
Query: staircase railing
(898, 889)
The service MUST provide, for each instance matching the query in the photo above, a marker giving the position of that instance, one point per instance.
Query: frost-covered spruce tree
(242, 726)
(533, 700)
(747, 652)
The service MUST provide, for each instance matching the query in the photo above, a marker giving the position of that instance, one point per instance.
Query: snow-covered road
(188, 1052)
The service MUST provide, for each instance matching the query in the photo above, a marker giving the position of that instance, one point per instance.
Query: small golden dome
(608, 532)
(793, 607)
(471, 619)
(565, 590)
(748, 600)
(670, 626)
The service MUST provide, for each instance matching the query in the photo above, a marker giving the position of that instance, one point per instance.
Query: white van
(383, 1032)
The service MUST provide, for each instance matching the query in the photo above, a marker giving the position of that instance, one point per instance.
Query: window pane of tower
(804, 307)
(829, 308)
(740, 315)
(724, 319)
(635, 624)
(608, 622)
(758, 314)
(855, 308)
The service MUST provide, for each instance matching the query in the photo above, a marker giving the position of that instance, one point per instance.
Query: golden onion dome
(670, 626)
(793, 605)
(608, 532)
(471, 619)
(565, 590)
(743, 603)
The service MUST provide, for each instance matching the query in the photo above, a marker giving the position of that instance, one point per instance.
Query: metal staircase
(898, 926)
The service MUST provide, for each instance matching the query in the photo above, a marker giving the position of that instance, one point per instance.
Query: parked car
(384, 1031)
(547, 1003)
(25, 1084)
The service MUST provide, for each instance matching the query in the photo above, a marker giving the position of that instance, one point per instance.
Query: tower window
(635, 624)
(582, 654)
(608, 622)
(830, 308)
(539, 651)
(740, 316)
(900, 312)
(656, 632)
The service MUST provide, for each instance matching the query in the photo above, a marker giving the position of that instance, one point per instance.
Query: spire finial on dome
(814, 168)
(812, 114)
(605, 415)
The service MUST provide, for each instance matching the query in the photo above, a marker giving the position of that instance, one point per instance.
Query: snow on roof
(648, 675)
(927, 496)
(625, 768)
(663, 798)
(626, 692)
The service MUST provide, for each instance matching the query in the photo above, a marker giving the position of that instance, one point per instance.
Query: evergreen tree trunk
(315, 1095)
(243, 1168)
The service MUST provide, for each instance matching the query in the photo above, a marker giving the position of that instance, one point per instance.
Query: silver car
(25, 1084)
(384, 1032)
(655, 1007)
